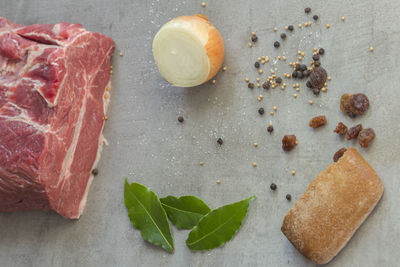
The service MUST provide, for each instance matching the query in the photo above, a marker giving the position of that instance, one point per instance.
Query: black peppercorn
(266, 85)
(305, 73)
(278, 80)
(300, 74)
(220, 141)
(261, 111)
(250, 85)
(308, 84)
(315, 57)
(315, 17)
(321, 51)
(180, 119)
(276, 44)
(95, 171)
(288, 197)
(270, 129)
(303, 67)
(290, 28)
(317, 64)
(273, 187)
(283, 36)
(307, 10)
(257, 65)
(294, 74)
(254, 38)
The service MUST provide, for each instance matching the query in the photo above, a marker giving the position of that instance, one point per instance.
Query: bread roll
(334, 205)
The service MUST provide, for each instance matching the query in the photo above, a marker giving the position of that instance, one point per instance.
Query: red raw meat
(53, 78)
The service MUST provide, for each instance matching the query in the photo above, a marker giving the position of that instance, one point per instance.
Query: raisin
(318, 77)
(359, 104)
(339, 154)
(345, 103)
(353, 132)
(340, 129)
(366, 136)
(288, 142)
(317, 122)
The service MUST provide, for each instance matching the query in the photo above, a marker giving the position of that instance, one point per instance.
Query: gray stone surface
(148, 145)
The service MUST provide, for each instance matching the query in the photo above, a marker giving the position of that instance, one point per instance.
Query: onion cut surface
(188, 50)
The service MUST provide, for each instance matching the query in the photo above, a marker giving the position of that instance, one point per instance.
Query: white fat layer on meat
(102, 141)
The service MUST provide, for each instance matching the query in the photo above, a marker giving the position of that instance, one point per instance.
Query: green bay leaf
(218, 226)
(147, 215)
(184, 212)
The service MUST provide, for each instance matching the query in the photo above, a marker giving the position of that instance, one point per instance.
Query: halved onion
(188, 50)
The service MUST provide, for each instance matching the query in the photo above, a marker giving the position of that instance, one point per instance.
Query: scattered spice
(250, 45)
(293, 172)
(371, 49)
(220, 141)
(261, 111)
(266, 85)
(307, 10)
(327, 26)
(218, 181)
(283, 36)
(321, 51)
(254, 164)
(256, 65)
(270, 129)
(315, 17)
(246, 80)
(180, 119)
(255, 145)
(366, 136)
(288, 142)
(276, 44)
(310, 102)
(213, 81)
(105, 117)
(339, 154)
(271, 113)
(95, 171)
(341, 129)
(224, 68)
(278, 80)
(201, 163)
(121, 54)
(254, 38)
(290, 27)
(289, 197)
(317, 122)
(353, 132)
(203, 4)
(315, 57)
(273, 187)
(250, 85)
(343, 18)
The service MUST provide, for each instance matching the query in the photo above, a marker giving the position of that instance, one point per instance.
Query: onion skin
(209, 37)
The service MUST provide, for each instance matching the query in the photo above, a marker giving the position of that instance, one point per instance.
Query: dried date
(345, 103)
(318, 77)
(340, 129)
(366, 136)
(359, 104)
(339, 154)
(288, 142)
(353, 132)
(317, 122)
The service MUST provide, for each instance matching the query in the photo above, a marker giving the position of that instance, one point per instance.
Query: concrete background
(149, 146)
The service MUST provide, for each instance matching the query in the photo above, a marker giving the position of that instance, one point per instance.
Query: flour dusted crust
(334, 205)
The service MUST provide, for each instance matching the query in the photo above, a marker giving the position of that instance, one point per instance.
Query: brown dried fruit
(339, 154)
(366, 136)
(288, 142)
(340, 129)
(359, 104)
(318, 77)
(345, 105)
(353, 132)
(317, 122)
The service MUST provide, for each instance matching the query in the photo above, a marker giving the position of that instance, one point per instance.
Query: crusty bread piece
(334, 205)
